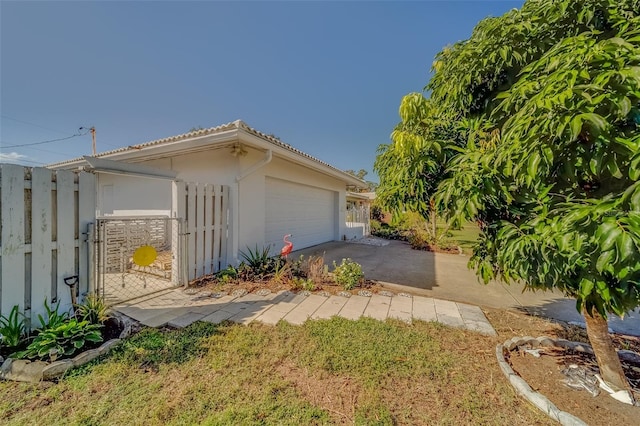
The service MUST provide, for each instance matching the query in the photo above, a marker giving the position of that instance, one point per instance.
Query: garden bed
(33, 371)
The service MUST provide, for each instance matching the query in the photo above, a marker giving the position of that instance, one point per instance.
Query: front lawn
(325, 372)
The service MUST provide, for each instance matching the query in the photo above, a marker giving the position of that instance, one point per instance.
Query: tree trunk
(434, 217)
(606, 355)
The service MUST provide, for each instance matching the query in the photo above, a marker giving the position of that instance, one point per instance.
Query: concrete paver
(401, 308)
(424, 308)
(354, 308)
(305, 309)
(217, 317)
(330, 308)
(185, 320)
(378, 307)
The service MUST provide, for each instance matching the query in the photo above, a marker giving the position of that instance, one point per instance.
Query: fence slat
(209, 230)
(86, 215)
(191, 221)
(200, 233)
(178, 206)
(66, 246)
(224, 221)
(40, 241)
(12, 278)
(217, 229)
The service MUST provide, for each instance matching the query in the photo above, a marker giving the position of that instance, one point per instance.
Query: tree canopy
(532, 128)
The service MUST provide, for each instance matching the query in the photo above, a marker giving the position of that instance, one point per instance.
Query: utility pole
(93, 139)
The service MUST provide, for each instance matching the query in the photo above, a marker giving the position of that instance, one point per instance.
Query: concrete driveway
(446, 276)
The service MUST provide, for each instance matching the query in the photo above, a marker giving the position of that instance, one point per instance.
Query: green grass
(465, 237)
(361, 372)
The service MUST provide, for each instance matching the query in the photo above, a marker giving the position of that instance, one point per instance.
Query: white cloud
(11, 157)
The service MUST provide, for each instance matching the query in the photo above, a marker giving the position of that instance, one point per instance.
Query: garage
(306, 212)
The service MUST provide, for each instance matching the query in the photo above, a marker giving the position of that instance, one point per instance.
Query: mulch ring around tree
(545, 375)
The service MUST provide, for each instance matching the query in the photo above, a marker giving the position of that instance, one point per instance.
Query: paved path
(177, 308)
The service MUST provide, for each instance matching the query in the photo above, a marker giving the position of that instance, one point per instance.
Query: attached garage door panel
(306, 212)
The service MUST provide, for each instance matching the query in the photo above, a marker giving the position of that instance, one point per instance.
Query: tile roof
(238, 124)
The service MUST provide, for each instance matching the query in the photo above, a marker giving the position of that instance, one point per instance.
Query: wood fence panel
(12, 277)
(41, 216)
(66, 218)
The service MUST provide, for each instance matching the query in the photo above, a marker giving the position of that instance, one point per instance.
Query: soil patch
(341, 402)
(209, 283)
(544, 375)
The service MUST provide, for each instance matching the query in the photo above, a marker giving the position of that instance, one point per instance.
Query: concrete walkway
(178, 308)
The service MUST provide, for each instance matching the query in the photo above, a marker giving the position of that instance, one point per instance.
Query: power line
(47, 141)
(31, 124)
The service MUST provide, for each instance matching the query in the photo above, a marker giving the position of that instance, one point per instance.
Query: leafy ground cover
(325, 372)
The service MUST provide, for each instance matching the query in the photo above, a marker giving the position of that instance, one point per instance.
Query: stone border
(523, 389)
(22, 370)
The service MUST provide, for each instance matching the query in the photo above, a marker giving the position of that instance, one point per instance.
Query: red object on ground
(286, 249)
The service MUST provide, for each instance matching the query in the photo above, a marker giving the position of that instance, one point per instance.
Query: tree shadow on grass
(153, 347)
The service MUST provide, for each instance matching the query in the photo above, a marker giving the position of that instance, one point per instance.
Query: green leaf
(625, 106)
(604, 260)
(625, 246)
(532, 165)
(608, 240)
(586, 287)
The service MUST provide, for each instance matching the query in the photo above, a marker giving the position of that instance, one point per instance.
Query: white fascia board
(282, 152)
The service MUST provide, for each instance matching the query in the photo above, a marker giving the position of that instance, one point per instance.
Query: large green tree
(532, 128)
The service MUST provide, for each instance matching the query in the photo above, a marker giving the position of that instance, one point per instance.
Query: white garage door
(306, 212)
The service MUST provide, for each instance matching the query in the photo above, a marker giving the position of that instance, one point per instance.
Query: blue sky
(325, 77)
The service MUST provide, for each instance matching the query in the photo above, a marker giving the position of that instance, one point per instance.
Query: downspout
(266, 160)
(236, 203)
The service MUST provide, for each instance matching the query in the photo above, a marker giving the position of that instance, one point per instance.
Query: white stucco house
(273, 188)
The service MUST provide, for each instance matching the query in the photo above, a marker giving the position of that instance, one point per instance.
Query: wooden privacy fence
(43, 217)
(205, 208)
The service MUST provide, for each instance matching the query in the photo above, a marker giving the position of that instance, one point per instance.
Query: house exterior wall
(132, 195)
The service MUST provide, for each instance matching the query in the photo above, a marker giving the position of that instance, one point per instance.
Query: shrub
(93, 310)
(12, 329)
(62, 340)
(304, 284)
(348, 274)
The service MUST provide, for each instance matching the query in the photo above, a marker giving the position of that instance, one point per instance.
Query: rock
(85, 357)
(386, 293)
(305, 293)
(239, 292)
(22, 370)
(219, 294)
(324, 293)
(190, 291)
(405, 295)
(263, 292)
(56, 369)
(365, 293)
(344, 294)
(107, 346)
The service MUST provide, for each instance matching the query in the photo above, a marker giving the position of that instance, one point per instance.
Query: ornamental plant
(62, 340)
(348, 274)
